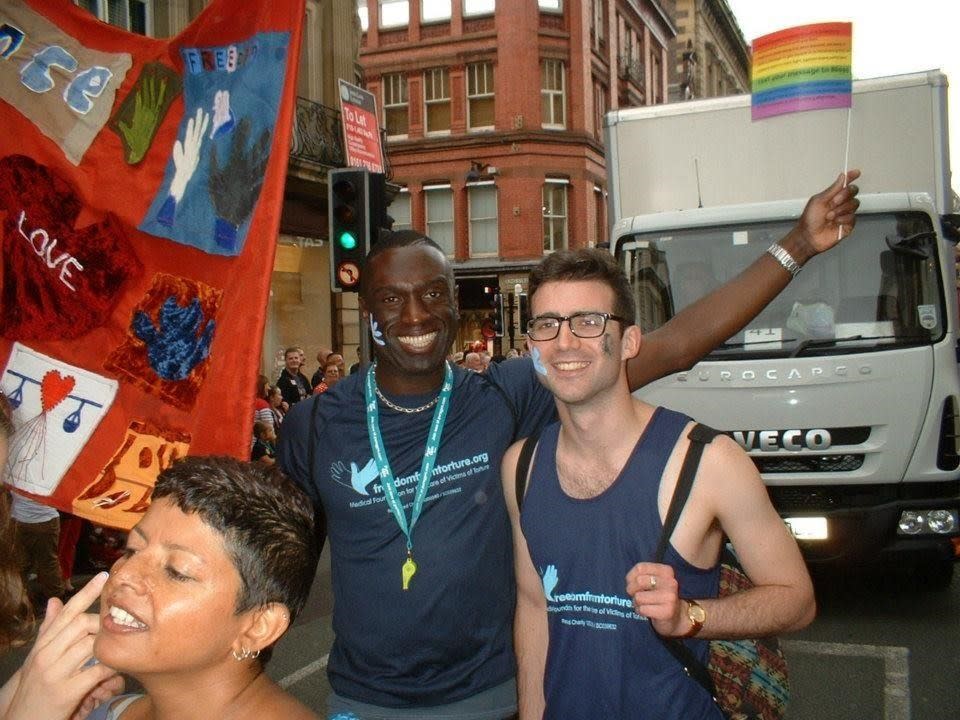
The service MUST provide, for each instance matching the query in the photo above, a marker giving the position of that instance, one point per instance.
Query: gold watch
(696, 615)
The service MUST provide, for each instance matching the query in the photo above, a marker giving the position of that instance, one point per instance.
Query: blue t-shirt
(450, 635)
(603, 659)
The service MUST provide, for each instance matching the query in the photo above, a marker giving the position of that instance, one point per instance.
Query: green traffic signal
(347, 241)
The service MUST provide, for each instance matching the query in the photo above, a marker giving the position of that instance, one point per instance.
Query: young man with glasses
(589, 599)
(402, 461)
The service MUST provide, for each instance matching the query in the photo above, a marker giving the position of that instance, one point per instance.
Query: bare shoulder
(277, 704)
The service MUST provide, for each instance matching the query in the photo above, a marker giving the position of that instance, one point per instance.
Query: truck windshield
(878, 289)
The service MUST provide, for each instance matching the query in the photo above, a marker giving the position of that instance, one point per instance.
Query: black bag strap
(523, 465)
(700, 436)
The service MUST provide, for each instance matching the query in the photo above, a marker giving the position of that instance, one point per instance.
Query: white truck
(845, 389)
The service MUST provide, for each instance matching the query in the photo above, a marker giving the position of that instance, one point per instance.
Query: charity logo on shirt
(589, 609)
(446, 478)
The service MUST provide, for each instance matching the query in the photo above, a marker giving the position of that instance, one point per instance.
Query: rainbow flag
(807, 67)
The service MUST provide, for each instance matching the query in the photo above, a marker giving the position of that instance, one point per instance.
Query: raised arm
(530, 620)
(700, 327)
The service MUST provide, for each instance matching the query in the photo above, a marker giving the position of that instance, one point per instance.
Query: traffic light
(357, 209)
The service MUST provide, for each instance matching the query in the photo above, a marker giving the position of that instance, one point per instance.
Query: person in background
(293, 384)
(36, 531)
(54, 683)
(261, 402)
(331, 376)
(317, 377)
(278, 406)
(264, 443)
(473, 361)
(213, 575)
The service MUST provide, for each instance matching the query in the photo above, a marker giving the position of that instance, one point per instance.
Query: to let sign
(361, 131)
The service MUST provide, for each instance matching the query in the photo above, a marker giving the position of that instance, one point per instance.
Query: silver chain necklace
(394, 406)
(398, 408)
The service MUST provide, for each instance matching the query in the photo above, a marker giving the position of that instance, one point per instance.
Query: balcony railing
(317, 134)
(630, 69)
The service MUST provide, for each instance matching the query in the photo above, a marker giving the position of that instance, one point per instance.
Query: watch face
(696, 613)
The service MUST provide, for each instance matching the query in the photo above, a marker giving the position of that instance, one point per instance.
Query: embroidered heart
(54, 388)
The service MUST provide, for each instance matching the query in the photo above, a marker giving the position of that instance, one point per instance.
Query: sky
(889, 38)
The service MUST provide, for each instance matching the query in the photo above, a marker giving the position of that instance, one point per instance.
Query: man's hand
(656, 596)
(57, 679)
(828, 217)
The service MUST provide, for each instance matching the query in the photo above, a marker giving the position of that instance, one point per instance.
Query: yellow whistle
(408, 571)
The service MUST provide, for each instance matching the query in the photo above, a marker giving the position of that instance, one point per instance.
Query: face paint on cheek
(537, 364)
(606, 345)
(375, 332)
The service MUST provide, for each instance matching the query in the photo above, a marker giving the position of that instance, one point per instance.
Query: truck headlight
(938, 522)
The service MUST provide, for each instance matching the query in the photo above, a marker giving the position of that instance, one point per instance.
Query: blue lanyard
(426, 467)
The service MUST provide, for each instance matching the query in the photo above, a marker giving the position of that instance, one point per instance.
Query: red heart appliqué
(54, 388)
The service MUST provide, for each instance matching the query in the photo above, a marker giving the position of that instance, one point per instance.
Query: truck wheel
(934, 575)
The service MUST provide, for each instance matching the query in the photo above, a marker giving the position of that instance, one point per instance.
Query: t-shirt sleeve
(533, 403)
(293, 453)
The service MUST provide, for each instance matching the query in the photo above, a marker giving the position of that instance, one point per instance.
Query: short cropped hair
(266, 522)
(261, 428)
(587, 264)
(389, 239)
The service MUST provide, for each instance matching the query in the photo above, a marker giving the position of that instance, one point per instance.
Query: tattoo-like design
(375, 332)
(537, 365)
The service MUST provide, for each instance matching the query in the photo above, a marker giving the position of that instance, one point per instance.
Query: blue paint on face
(537, 365)
(375, 332)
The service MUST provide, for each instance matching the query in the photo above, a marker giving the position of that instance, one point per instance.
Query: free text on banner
(808, 67)
(141, 182)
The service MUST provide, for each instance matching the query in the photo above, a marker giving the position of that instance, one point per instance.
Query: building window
(601, 210)
(480, 96)
(599, 107)
(395, 104)
(435, 10)
(552, 94)
(132, 15)
(554, 215)
(482, 201)
(472, 8)
(551, 6)
(439, 206)
(436, 98)
(597, 21)
(399, 210)
(394, 13)
(364, 14)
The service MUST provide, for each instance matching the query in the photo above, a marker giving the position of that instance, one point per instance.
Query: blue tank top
(603, 659)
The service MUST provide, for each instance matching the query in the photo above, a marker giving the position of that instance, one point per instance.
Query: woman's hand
(56, 682)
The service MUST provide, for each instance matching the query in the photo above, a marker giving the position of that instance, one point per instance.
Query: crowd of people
(426, 594)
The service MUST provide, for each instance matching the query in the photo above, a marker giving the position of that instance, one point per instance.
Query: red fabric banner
(141, 183)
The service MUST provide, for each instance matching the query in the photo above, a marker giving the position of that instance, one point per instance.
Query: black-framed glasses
(582, 324)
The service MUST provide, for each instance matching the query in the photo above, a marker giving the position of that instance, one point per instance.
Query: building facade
(711, 57)
(494, 122)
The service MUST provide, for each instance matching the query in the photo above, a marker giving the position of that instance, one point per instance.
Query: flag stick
(846, 162)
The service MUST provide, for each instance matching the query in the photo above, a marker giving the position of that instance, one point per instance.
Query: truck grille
(808, 463)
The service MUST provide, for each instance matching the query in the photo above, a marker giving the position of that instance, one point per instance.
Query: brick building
(494, 120)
